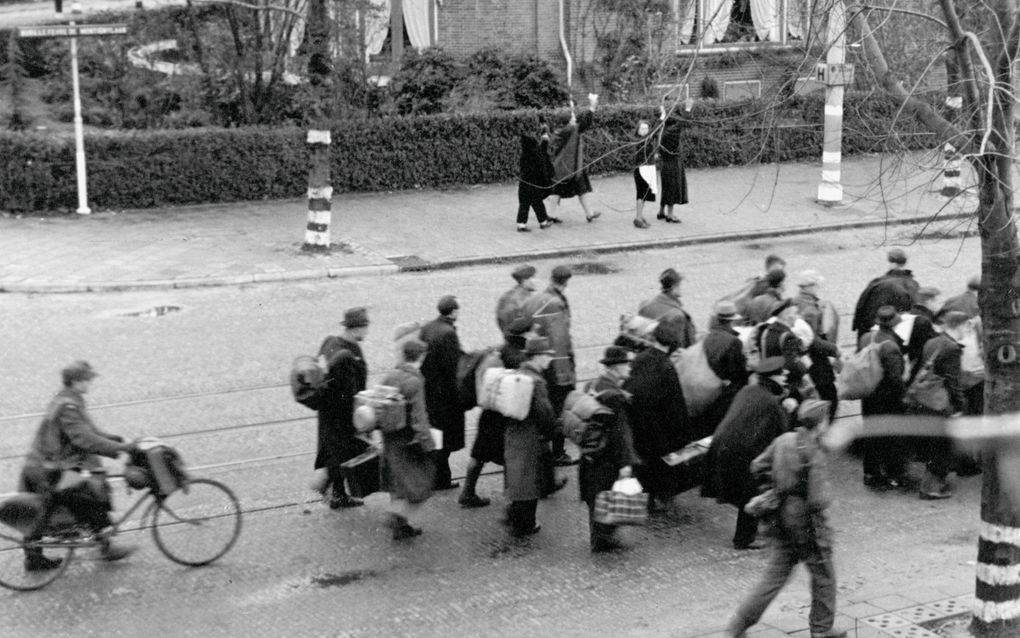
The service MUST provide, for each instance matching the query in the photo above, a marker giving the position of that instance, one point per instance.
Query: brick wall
(515, 26)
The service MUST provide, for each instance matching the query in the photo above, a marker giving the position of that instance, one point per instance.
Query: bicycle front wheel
(17, 573)
(197, 523)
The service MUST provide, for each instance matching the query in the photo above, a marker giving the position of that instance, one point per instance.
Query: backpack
(381, 407)
(308, 381)
(467, 382)
(579, 410)
(635, 332)
(700, 385)
(507, 392)
(861, 373)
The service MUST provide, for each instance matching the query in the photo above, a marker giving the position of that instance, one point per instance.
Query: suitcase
(362, 473)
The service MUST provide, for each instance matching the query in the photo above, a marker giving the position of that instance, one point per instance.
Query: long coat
(753, 421)
(888, 396)
(346, 375)
(440, 371)
(536, 169)
(658, 419)
(725, 354)
(674, 177)
(408, 470)
(945, 354)
(523, 442)
(600, 466)
(566, 150)
(550, 310)
(667, 309)
(896, 288)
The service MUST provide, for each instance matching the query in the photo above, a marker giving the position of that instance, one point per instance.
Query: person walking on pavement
(795, 466)
(644, 170)
(512, 303)
(896, 288)
(965, 302)
(408, 468)
(609, 451)
(346, 375)
(666, 308)
(725, 355)
(674, 177)
(658, 417)
(884, 458)
(758, 415)
(536, 178)
(550, 312)
(66, 444)
(524, 446)
(943, 353)
(567, 154)
(442, 399)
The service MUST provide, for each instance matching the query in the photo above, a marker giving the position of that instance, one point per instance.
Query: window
(738, 21)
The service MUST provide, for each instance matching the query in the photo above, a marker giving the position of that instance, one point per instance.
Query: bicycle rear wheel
(13, 572)
(197, 523)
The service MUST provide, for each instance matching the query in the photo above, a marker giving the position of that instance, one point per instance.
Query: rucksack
(380, 407)
(700, 384)
(508, 392)
(861, 373)
(635, 332)
(467, 381)
(579, 410)
(308, 381)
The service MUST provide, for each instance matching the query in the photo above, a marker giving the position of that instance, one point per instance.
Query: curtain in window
(416, 20)
(377, 25)
(796, 18)
(716, 19)
(685, 11)
(765, 15)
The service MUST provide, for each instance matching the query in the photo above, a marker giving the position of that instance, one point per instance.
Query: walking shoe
(472, 500)
(554, 220)
(111, 552)
(523, 229)
(753, 545)
(877, 483)
(546, 224)
(39, 563)
(600, 545)
(405, 531)
(526, 532)
(593, 216)
(935, 496)
(661, 215)
(564, 460)
(557, 485)
(640, 223)
(344, 501)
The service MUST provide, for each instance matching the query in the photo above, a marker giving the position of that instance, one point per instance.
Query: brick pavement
(381, 233)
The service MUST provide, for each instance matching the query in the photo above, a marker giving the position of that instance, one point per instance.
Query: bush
(424, 81)
(153, 168)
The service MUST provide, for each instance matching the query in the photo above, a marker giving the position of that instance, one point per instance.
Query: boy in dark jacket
(536, 179)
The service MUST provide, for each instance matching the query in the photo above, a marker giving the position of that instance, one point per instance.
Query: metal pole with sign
(74, 31)
(836, 74)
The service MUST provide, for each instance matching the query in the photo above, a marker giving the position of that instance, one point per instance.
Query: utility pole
(836, 74)
(320, 72)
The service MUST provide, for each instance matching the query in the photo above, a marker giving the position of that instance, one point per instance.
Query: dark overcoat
(536, 169)
(658, 419)
(523, 442)
(566, 151)
(408, 469)
(888, 396)
(725, 354)
(674, 176)
(600, 466)
(550, 310)
(346, 375)
(753, 421)
(945, 354)
(442, 399)
(667, 310)
(896, 288)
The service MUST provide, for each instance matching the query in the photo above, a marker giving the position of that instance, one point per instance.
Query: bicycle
(193, 524)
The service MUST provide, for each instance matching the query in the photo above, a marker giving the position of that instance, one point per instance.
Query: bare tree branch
(254, 7)
(926, 16)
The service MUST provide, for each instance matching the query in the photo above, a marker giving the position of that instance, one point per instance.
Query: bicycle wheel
(13, 574)
(197, 523)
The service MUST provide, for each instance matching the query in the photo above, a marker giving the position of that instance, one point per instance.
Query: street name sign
(71, 30)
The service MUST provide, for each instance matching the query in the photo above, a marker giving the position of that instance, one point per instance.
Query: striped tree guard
(320, 193)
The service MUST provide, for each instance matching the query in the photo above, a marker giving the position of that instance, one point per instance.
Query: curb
(459, 262)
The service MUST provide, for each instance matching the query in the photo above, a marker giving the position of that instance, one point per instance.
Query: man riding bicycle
(61, 462)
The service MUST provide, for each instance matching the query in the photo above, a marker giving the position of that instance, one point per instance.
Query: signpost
(74, 31)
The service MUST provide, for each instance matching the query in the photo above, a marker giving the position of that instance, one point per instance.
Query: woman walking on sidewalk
(567, 153)
(674, 177)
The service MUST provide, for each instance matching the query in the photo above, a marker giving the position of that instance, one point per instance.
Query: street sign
(834, 74)
(71, 30)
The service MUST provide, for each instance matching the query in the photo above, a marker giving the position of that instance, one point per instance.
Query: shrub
(424, 81)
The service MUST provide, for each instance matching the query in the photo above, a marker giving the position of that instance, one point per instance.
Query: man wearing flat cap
(725, 354)
(753, 421)
(346, 375)
(666, 308)
(510, 306)
(896, 288)
(550, 312)
(441, 397)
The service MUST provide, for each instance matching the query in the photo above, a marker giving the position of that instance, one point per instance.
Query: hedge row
(137, 169)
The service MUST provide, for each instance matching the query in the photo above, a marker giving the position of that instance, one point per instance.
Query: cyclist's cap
(78, 371)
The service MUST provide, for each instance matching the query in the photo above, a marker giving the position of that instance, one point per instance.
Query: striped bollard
(320, 193)
(951, 184)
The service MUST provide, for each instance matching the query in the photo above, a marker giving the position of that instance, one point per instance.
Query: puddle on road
(156, 311)
(343, 578)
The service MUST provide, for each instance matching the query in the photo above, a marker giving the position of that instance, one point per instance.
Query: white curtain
(416, 21)
(685, 12)
(765, 16)
(717, 19)
(377, 26)
(796, 18)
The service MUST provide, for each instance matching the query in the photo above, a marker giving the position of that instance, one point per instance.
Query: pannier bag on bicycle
(156, 466)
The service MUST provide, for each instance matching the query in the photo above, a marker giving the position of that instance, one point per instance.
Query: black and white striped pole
(79, 134)
(320, 193)
(836, 74)
(951, 184)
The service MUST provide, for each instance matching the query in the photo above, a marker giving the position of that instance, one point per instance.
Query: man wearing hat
(896, 288)
(441, 396)
(550, 312)
(67, 442)
(523, 443)
(885, 458)
(609, 453)
(760, 305)
(510, 306)
(346, 375)
(755, 418)
(965, 302)
(666, 308)
(795, 466)
(725, 354)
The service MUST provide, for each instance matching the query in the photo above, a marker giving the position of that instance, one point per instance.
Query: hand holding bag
(623, 507)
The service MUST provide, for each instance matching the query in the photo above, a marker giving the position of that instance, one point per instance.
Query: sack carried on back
(579, 410)
(698, 381)
(861, 373)
(507, 392)
(308, 381)
(381, 407)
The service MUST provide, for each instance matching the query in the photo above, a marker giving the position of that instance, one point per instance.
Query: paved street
(210, 379)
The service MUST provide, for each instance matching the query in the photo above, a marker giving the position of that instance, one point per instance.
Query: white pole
(830, 190)
(79, 135)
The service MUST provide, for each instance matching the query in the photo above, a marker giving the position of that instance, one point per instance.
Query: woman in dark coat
(885, 458)
(658, 416)
(408, 470)
(754, 419)
(674, 177)
(442, 398)
(609, 453)
(566, 150)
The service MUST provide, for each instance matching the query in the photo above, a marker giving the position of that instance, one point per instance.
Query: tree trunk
(320, 72)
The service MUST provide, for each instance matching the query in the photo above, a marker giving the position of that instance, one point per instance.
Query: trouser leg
(777, 573)
(335, 480)
(823, 590)
(747, 528)
(557, 397)
(521, 515)
(938, 457)
(547, 469)
(471, 476)
(540, 213)
(443, 474)
(522, 211)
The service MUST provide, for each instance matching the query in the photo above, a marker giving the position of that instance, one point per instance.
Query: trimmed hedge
(138, 169)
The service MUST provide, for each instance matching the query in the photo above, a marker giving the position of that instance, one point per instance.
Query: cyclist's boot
(111, 552)
(35, 561)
